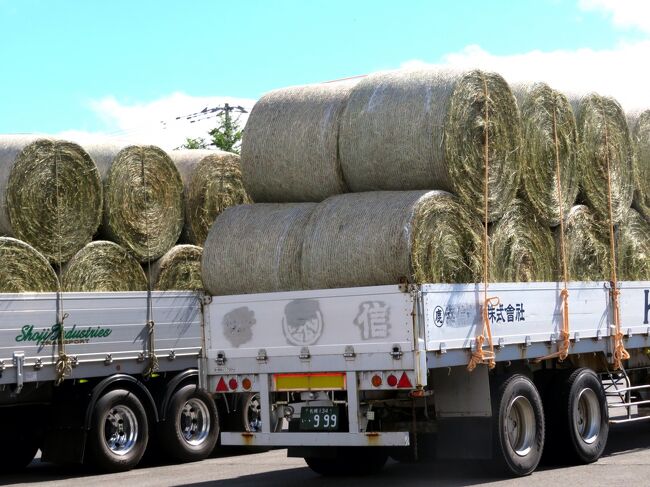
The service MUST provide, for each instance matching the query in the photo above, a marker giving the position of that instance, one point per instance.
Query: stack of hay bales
(381, 180)
(56, 196)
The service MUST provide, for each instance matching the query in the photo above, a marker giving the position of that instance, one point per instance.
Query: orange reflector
(221, 385)
(404, 382)
(391, 380)
(325, 381)
(246, 384)
(376, 380)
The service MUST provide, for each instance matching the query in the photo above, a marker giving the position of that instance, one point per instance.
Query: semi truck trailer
(344, 378)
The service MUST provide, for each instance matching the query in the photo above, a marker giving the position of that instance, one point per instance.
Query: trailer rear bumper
(400, 438)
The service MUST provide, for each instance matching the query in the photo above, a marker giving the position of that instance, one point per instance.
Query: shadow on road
(623, 439)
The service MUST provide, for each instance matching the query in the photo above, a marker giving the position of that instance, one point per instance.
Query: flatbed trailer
(346, 377)
(119, 374)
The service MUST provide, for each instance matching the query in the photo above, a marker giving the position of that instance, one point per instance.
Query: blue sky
(101, 66)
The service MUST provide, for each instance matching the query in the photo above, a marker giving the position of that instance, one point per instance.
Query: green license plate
(319, 418)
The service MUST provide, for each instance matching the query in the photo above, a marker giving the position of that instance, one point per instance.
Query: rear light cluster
(387, 380)
(234, 384)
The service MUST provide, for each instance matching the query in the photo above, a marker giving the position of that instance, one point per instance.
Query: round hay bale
(255, 249)
(586, 245)
(103, 266)
(549, 128)
(143, 199)
(375, 238)
(641, 143)
(521, 247)
(212, 182)
(407, 130)
(633, 250)
(50, 195)
(179, 269)
(290, 145)
(24, 269)
(604, 135)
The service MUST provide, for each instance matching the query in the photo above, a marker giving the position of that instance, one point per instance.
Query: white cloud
(155, 122)
(620, 72)
(624, 13)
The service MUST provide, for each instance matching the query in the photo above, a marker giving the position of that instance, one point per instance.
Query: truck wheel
(518, 419)
(192, 426)
(349, 461)
(119, 432)
(581, 415)
(246, 414)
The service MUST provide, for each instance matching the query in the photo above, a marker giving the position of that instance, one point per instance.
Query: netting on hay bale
(24, 269)
(212, 182)
(143, 199)
(103, 266)
(255, 248)
(549, 134)
(425, 129)
(290, 145)
(374, 238)
(50, 195)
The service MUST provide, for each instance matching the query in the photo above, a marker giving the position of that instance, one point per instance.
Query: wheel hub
(194, 422)
(120, 430)
(520, 425)
(587, 415)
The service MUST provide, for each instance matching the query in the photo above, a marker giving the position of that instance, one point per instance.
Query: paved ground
(627, 462)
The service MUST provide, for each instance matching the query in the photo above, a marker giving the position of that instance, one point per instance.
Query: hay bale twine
(143, 199)
(521, 247)
(424, 129)
(633, 249)
(290, 145)
(604, 136)
(586, 245)
(255, 248)
(178, 269)
(50, 195)
(103, 266)
(375, 238)
(549, 128)
(212, 182)
(24, 269)
(641, 143)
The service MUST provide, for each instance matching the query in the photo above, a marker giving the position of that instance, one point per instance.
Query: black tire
(579, 411)
(191, 428)
(518, 426)
(349, 462)
(116, 409)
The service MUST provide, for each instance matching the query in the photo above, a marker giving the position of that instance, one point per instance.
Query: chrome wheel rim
(194, 421)
(586, 415)
(253, 413)
(520, 425)
(120, 430)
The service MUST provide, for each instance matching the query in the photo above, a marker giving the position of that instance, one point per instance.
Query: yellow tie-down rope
(481, 356)
(565, 340)
(620, 353)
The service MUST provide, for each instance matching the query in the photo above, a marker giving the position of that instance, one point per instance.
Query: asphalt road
(626, 462)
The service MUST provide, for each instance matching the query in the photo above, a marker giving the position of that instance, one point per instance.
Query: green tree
(227, 134)
(190, 143)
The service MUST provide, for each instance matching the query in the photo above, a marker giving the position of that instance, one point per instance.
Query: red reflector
(404, 382)
(391, 380)
(233, 383)
(221, 386)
